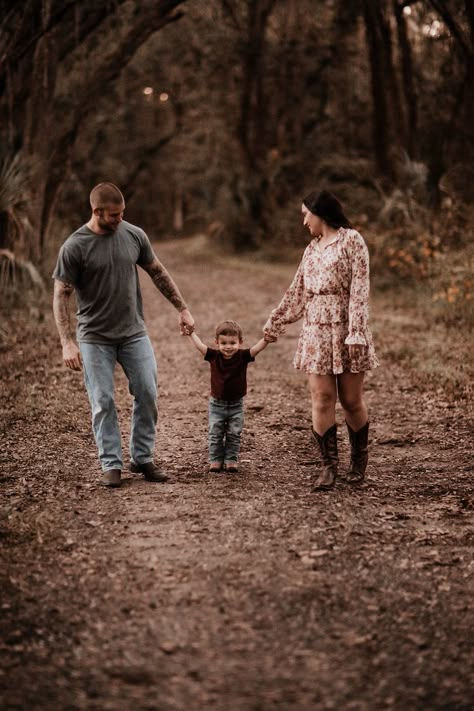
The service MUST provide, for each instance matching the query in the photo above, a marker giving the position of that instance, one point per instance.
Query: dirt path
(246, 593)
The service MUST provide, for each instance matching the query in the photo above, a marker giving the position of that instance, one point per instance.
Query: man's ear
(96, 211)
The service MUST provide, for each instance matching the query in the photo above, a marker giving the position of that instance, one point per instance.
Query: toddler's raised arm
(198, 344)
(259, 346)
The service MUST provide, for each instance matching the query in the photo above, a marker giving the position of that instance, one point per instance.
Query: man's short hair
(229, 328)
(105, 194)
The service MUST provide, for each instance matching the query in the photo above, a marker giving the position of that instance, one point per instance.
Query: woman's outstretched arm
(291, 307)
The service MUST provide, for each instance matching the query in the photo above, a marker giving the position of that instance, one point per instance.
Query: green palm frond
(17, 177)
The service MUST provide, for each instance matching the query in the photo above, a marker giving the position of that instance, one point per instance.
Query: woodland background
(217, 117)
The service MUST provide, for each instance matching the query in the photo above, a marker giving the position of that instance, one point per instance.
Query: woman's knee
(322, 399)
(351, 402)
(350, 391)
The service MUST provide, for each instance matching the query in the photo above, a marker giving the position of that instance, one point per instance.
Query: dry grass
(410, 334)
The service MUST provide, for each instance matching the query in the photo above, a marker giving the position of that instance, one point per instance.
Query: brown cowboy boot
(359, 454)
(328, 448)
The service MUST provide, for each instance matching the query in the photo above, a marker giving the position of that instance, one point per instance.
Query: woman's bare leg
(350, 388)
(323, 401)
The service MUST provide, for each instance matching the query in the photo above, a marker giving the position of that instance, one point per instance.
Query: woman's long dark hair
(326, 206)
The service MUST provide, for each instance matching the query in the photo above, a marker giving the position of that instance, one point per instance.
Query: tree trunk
(380, 109)
(388, 119)
(454, 139)
(51, 107)
(408, 84)
(251, 127)
(250, 191)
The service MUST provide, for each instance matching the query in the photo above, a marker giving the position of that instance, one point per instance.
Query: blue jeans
(226, 420)
(139, 365)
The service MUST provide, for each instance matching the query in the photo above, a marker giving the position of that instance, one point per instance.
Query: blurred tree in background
(57, 59)
(220, 122)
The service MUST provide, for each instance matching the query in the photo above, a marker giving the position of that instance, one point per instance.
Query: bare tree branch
(103, 66)
(229, 9)
(448, 18)
(24, 47)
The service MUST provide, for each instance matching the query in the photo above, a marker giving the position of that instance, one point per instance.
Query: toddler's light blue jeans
(226, 421)
(139, 365)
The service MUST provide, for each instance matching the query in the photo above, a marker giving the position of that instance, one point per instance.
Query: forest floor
(247, 592)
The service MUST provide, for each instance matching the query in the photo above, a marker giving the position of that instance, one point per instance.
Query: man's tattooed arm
(71, 354)
(62, 294)
(163, 281)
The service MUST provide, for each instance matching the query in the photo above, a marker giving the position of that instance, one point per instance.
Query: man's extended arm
(71, 353)
(164, 283)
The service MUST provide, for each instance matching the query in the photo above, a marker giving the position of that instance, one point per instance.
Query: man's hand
(72, 356)
(186, 322)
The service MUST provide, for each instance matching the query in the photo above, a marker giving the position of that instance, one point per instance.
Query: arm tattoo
(164, 283)
(62, 293)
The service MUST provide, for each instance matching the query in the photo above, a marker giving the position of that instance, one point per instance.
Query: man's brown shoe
(111, 478)
(150, 471)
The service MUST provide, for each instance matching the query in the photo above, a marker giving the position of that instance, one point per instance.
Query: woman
(331, 291)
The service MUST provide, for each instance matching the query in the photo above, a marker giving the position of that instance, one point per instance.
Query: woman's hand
(356, 350)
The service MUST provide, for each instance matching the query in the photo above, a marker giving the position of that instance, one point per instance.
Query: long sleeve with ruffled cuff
(359, 293)
(291, 308)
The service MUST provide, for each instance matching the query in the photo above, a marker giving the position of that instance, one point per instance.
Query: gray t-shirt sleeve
(147, 254)
(68, 266)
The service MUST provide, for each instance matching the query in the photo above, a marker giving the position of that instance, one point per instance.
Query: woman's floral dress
(330, 291)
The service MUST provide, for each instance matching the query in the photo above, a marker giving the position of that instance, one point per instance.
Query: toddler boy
(228, 387)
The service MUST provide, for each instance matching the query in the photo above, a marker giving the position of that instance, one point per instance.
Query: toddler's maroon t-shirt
(228, 375)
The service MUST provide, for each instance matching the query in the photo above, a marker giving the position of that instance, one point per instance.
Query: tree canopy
(219, 114)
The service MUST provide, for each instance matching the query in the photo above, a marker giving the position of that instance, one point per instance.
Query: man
(98, 262)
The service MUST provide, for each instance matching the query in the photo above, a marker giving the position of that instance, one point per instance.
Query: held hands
(186, 322)
(72, 356)
(261, 344)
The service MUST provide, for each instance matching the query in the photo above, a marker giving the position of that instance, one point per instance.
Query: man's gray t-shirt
(102, 269)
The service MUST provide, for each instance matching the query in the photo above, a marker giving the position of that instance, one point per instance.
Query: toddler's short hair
(229, 328)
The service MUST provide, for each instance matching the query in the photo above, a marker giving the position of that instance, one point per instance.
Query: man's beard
(106, 227)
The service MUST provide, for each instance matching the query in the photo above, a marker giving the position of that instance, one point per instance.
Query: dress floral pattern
(330, 291)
